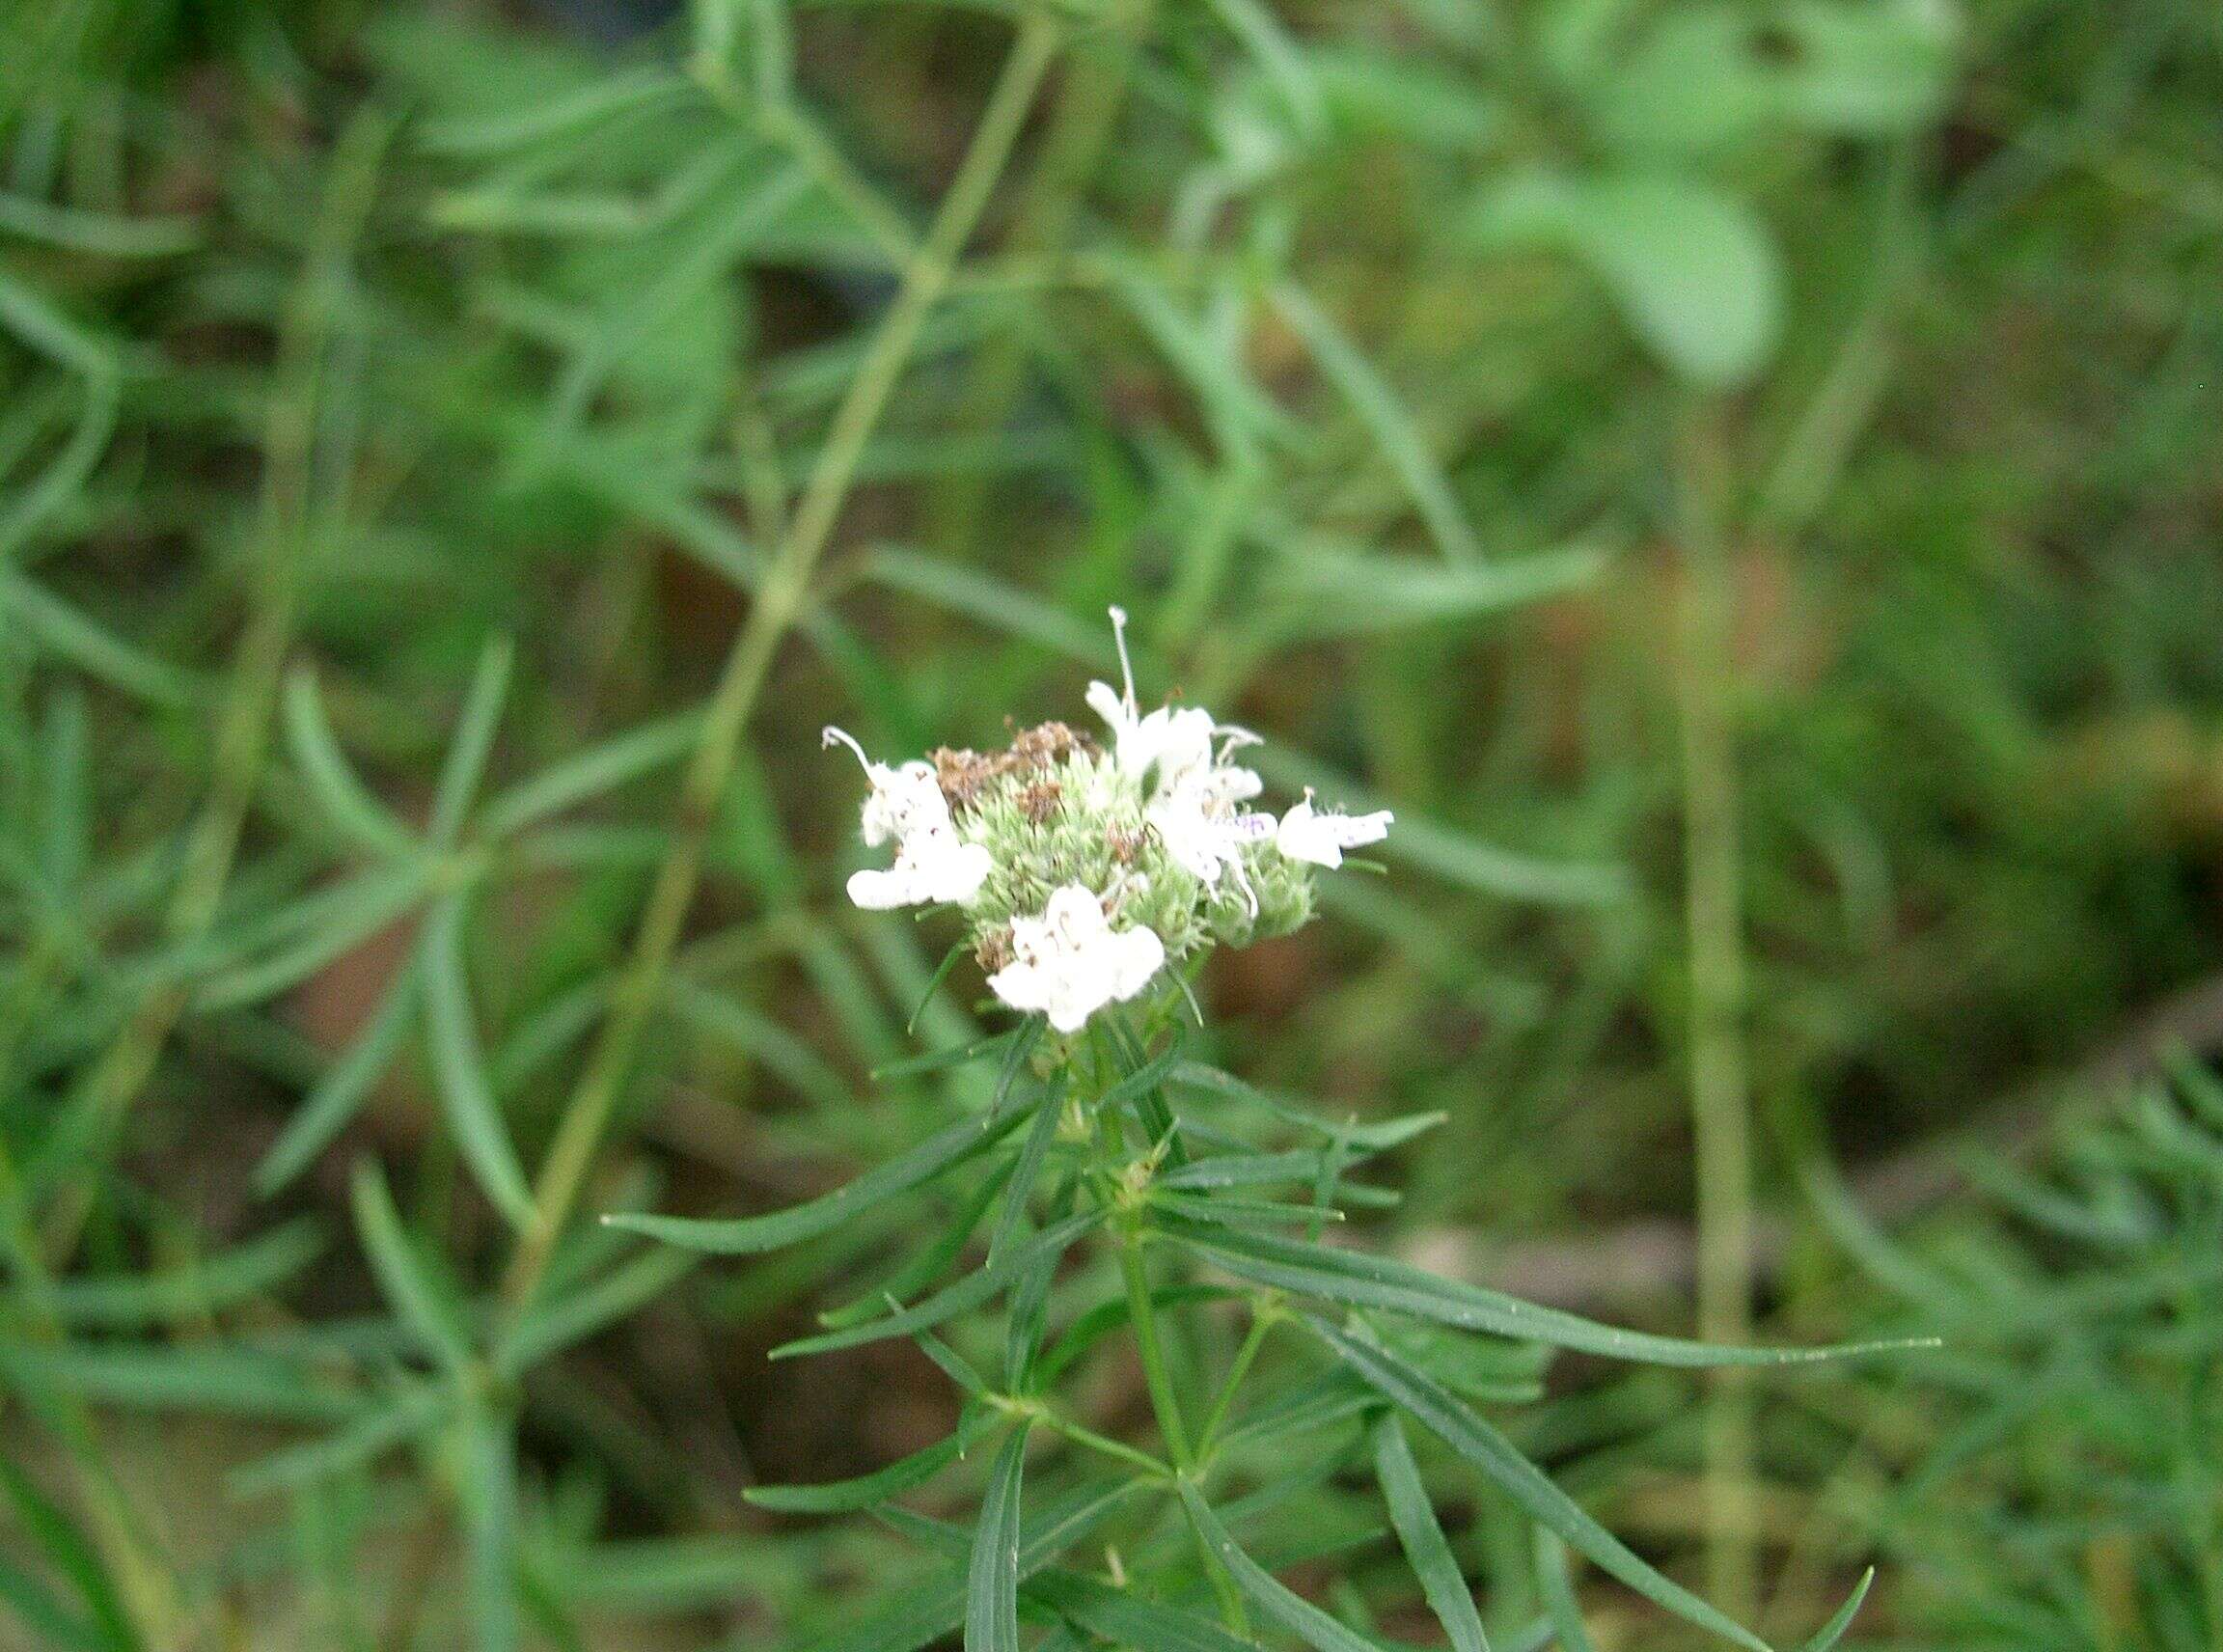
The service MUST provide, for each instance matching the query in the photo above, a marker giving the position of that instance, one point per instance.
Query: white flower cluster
(1084, 870)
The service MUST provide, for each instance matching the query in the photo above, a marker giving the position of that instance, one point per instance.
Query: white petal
(882, 891)
(904, 801)
(1020, 985)
(1307, 835)
(952, 870)
(1137, 954)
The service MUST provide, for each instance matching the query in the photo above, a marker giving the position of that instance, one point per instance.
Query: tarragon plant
(1131, 1192)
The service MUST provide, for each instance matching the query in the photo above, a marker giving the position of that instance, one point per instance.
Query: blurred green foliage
(404, 405)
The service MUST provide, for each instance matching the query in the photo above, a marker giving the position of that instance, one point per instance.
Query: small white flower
(1070, 962)
(932, 862)
(1322, 836)
(930, 867)
(1176, 742)
(903, 801)
(1201, 828)
(1194, 799)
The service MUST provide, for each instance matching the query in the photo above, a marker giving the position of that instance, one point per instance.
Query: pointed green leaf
(1834, 1630)
(487, 1489)
(992, 1577)
(459, 1063)
(206, 1285)
(932, 1610)
(1425, 1546)
(422, 1406)
(843, 1497)
(331, 778)
(929, 1159)
(1558, 1592)
(1290, 1610)
(467, 754)
(967, 1293)
(601, 767)
(71, 1554)
(417, 1298)
(1459, 1427)
(324, 1112)
(1026, 1170)
(1124, 1619)
(1363, 1281)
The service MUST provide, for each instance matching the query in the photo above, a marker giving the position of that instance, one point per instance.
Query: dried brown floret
(964, 774)
(1039, 801)
(994, 948)
(1125, 844)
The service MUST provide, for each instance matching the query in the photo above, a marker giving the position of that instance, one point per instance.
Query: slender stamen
(830, 735)
(1126, 666)
(1242, 882)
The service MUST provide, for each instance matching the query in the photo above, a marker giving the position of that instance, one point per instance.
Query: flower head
(1085, 869)
(1069, 962)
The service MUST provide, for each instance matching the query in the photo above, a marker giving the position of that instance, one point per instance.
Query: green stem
(780, 599)
(1719, 1090)
(1081, 1435)
(1263, 1315)
(1145, 1314)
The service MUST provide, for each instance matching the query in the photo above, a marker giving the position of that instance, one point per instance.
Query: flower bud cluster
(1086, 867)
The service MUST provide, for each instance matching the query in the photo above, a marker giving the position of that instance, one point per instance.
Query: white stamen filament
(830, 737)
(1126, 666)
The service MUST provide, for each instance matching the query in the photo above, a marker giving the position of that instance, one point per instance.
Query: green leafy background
(404, 407)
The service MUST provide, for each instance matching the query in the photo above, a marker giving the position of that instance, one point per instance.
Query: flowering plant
(1132, 1203)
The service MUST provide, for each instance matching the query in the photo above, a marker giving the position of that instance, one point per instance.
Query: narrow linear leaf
(1558, 1591)
(556, 1322)
(68, 1551)
(1226, 1212)
(753, 1233)
(1026, 1170)
(324, 1112)
(55, 1626)
(416, 1298)
(918, 1272)
(486, 1488)
(1284, 1606)
(1385, 420)
(845, 1497)
(213, 1379)
(459, 1063)
(927, 1613)
(1459, 1427)
(348, 915)
(992, 1578)
(1425, 1546)
(601, 767)
(1361, 1280)
(1128, 1620)
(1377, 1137)
(1834, 1630)
(332, 780)
(967, 1293)
(467, 754)
(87, 645)
(205, 1286)
(940, 1060)
(420, 1407)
